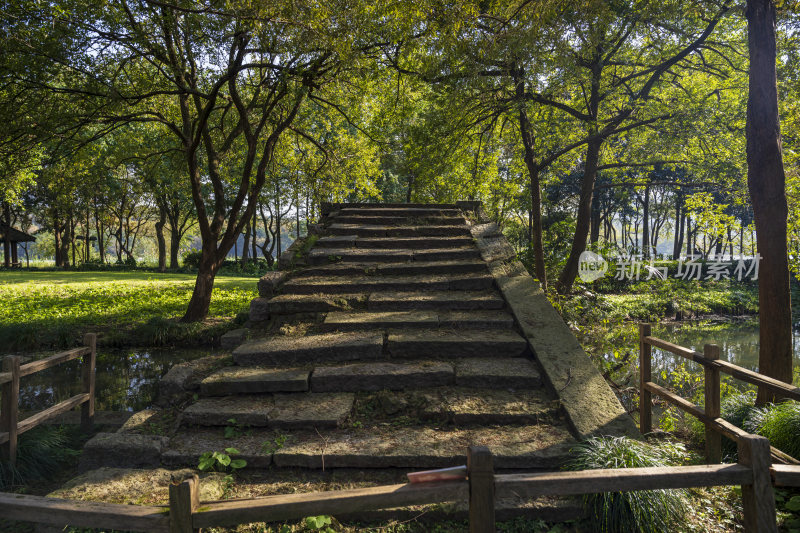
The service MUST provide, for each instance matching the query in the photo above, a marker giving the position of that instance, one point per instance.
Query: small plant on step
(221, 461)
(233, 430)
(321, 523)
(270, 447)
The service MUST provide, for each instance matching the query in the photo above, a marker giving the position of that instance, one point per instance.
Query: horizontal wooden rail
(785, 475)
(780, 388)
(51, 412)
(293, 506)
(53, 360)
(718, 424)
(619, 480)
(11, 426)
(59, 512)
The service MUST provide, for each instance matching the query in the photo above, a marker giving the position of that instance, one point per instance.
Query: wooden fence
(479, 490)
(710, 414)
(11, 427)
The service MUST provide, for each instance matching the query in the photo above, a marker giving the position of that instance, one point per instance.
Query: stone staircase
(395, 337)
(390, 347)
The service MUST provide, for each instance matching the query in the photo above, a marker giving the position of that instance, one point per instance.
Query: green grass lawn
(54, 309)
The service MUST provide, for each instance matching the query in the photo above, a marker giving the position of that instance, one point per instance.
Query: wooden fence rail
(480, 490)
(10, 425)
(715, 427)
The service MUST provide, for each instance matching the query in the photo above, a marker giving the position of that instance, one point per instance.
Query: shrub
(41, 453)
(780, 423)
(192, 258)
(645, 511)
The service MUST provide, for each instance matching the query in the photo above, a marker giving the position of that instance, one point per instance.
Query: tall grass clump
(780, 423)
(652, 511)
(41, 453)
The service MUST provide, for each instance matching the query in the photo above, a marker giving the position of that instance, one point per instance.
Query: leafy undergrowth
(53, 309)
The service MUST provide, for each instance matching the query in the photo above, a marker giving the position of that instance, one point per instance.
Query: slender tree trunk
(162, 243)
(679, 222)
(594, 234)
(646, 222)
(57, 238)
(570, 271)
(254, 237)
(203, 288)
(7, 235)
(100, 230)
(246, 245)
(767, 183)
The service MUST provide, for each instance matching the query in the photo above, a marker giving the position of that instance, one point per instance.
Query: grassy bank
(52, 309)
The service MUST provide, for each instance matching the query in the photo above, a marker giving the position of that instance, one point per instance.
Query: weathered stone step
(507, 373)
(284, 350)
(409, 243)
(439, 300)
(370, 230)
(254, 380)
(320, 256)
(493, 372)
(394, 269)
(544, 446)
(282, 411)
(379, 376)
(360, 320)
(400, 211)
(313, 303)
(458, 405)
(398, 220)
(335, 206)
(419, 344)
(441, 282)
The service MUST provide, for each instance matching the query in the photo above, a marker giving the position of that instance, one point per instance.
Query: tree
(767, 183)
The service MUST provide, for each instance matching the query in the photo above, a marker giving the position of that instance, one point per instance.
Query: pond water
(738, 342)
(126, 380)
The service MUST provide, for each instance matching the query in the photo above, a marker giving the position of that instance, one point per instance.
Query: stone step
(280, 411)
(507, 373)
(394, 269)
(380, 376)
(360, 320)
(368, 284)
(319, 256)
(410, 243)
(285, 350)
(398, 220)
(371, 230)
(421, 344)
(535, 446)
(437, 300)
(457, 405)
(254, 380)
(515, 373)
(410, 212)
(285, 304)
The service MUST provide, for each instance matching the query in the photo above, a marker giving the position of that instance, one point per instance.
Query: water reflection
(127, 380)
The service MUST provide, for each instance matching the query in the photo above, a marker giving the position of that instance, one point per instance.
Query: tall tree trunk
(246, 245)
(570, 271)
(100, 230)
(594, 234)
(7, 235)
(278, 250)
(679, 222)
(767, 183)
(162, 243)
(203, 287)
(646, 223)
(57, 238)
(535, 221)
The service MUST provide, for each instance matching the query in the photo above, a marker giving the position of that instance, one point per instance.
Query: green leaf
(224, 459)
(238, 463)
(793, 504)
(232, 451)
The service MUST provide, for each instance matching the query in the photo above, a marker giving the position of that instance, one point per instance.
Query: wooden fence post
(645, 399)
(480, 467)
(712, 401)
(184, 499)
(89, 363)
(758, 500)
(9, 409)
